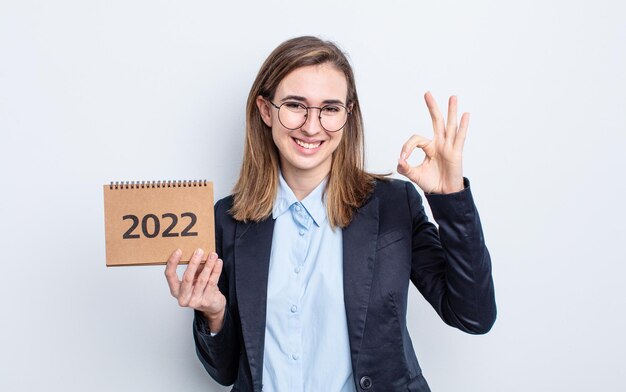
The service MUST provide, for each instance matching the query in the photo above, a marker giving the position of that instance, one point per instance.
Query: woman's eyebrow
(293, 98)
(303, 99)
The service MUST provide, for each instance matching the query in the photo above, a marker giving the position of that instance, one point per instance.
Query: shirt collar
(314, 203)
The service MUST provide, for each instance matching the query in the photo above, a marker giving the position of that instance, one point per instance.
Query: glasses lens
(292, 115)
(333, 117)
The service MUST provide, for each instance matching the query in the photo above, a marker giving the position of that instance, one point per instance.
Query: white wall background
(94, 91)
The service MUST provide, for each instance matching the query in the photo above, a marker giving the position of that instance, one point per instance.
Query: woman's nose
(313, 122)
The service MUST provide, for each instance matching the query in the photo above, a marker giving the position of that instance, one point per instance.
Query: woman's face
(306, 151)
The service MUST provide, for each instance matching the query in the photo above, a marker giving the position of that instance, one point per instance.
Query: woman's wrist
(215, 321)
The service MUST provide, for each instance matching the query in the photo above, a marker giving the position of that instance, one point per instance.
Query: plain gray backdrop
(95, 91)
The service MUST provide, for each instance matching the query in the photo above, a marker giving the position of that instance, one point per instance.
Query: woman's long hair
(348, 186)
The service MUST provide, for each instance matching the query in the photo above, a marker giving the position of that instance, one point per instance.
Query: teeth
(307, 145)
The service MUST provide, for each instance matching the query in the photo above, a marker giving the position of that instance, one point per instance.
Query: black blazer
(389, 242)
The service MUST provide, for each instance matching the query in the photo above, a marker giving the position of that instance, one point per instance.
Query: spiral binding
(157, 184)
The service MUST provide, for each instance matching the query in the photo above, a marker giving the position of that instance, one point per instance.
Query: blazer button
(365, 382)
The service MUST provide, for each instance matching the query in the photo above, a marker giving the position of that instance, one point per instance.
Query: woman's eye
(331, 109)
(294, 106)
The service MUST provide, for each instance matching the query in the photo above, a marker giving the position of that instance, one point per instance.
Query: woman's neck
(302, 182)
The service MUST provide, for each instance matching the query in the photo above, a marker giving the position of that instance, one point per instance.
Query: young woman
(310, 292)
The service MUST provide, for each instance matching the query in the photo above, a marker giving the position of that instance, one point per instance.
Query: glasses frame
(306, 115)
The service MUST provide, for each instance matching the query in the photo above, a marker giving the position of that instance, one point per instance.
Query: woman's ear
(265, 110)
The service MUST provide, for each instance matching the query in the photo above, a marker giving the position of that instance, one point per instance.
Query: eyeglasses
(292, 115)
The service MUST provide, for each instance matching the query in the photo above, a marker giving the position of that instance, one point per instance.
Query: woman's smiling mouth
(308, 146)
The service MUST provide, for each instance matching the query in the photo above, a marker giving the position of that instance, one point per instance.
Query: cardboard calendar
(145, 221)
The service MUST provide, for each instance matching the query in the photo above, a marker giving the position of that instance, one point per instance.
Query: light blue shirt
(306, 332)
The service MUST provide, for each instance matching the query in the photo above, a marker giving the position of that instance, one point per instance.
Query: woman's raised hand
(198, 288)
(442, 168)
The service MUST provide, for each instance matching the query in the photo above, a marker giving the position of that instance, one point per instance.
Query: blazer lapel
(359, 249)
(253, 243)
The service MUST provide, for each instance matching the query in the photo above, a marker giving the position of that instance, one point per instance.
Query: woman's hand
(442, 168)
(198, 289)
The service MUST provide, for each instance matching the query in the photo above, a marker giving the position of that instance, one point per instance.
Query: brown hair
(348, 185)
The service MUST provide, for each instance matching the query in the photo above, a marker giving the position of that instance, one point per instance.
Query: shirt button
(295, 357)
(301, 232)
(294, 309)
(296, 270)
(298, 208)
(365, 382)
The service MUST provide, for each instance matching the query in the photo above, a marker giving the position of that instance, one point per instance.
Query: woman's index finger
(170, 272)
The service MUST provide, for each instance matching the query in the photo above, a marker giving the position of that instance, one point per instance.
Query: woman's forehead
(314, 83)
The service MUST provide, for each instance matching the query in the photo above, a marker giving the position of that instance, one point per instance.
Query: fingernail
(178, 252)
(213, 256)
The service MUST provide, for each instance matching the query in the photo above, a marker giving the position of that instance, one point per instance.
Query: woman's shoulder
(395, 200)
(388, 187)
(222, 208)
(224, 202)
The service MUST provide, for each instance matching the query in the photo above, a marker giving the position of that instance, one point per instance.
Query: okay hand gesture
(442, 169)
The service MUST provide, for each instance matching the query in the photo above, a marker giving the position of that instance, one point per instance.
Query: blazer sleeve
(451, 266)
(219, 353)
